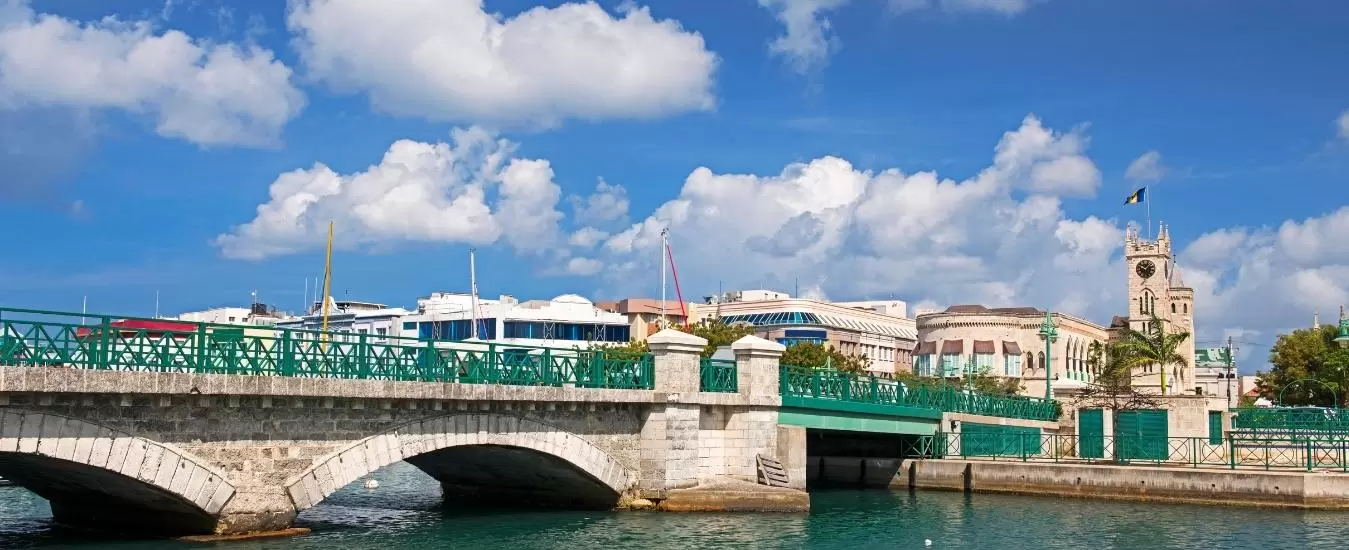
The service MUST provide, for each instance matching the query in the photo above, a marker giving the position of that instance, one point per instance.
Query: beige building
(1006, 341)
(973, 339)
(877, 330)
(645, 314)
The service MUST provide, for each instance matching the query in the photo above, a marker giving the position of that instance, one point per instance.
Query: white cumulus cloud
(451, 60)
(1147, 167)
(1005, 7)
(925, 237)
(1342, 124)
(472, 190)
(203, 92)
(806, 39)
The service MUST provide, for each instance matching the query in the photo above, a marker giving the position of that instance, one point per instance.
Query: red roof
(147, 325)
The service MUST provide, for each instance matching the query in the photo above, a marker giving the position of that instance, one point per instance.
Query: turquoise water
(405, 512)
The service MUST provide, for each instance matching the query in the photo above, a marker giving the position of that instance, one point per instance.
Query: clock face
(1146, 268)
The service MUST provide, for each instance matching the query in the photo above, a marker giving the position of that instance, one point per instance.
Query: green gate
(994, 440)
(1141, 434)
(1091, 433)
(1215, 427)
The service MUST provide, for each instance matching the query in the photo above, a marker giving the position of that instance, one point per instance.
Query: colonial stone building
(1156, 288)
(1006, 341)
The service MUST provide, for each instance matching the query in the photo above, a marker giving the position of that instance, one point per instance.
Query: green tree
(1306, 354)
(1113, 388)
(1154, 345)
(630, 351)
(810, 354)
(717, 333)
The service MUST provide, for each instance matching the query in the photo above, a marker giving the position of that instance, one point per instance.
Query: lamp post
(1049, 334)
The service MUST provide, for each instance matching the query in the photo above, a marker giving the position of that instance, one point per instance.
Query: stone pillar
(753, 430)
(756, 369)
(669, 448)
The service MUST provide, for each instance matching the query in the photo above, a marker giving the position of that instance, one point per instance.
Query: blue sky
(785, 143)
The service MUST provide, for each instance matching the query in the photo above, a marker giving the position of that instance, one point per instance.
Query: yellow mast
(327, 280)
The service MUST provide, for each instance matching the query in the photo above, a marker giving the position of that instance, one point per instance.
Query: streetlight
(1050, 334)
(1343, 338)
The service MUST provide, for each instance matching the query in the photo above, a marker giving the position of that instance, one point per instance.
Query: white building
(877, 330)
(352, 317)
(257, 315)
(562, 322)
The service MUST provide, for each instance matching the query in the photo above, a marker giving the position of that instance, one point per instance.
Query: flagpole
(1147, 204)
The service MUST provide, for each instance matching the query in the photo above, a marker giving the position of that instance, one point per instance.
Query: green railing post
(104, 354)
(815, 383)
(200, 352)
(1308, 445)
(285, 363)
(549, 377)
(363, 357)
(875, 390)
(1231, 451)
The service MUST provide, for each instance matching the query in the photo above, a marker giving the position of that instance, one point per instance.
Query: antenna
(156, 304)
(473, 292)
(304, 306)
(84, 308)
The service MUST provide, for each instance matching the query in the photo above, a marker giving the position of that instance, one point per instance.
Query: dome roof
(572, 299)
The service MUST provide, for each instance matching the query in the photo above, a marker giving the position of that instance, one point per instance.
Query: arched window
(1173, 308)
(1185, 307)
(1041, 361)
(1030, 360)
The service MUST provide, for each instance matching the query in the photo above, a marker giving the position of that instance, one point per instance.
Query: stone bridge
(186, 453)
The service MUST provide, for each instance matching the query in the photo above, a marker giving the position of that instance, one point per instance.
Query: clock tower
(1155, 287)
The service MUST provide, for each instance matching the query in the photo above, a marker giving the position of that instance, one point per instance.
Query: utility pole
(1229, 372)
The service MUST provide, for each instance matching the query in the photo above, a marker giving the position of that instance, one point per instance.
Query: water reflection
(405, 512)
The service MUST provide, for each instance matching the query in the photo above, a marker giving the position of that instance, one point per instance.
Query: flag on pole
(1139, 196)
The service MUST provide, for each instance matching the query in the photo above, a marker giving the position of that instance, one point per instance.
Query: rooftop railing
(31, 337)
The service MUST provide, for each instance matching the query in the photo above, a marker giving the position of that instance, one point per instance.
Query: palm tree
(1154, 345)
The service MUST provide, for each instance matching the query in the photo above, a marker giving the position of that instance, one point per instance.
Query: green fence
(1291, 419)
(828, 385)
(1196, 452)
(101, 342)
(717, 375)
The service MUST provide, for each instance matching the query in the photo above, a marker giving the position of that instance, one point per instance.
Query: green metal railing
(1231, 452)
(1291, 419)
(717, 375)
(101, 342)
(828, 385)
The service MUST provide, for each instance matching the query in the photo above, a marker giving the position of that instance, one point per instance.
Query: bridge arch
(431, 443)
(97, 476)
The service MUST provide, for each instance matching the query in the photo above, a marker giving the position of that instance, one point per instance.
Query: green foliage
(1307, 354)
(630, 351)
(809, 354)
(1112, 388)
(996, 385)
(717, 333)
(1155, 346)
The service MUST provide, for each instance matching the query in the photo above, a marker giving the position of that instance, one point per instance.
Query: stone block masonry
(192, 453)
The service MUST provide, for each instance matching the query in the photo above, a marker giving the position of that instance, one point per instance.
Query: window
(776, 318)
(922, 364)
(983, 363)
(362, 330)
(1173, 308)
(381, 331)
(1011, 365)
(578, 332)
(459, 329)
(950, 365)
(1185, 308)
(231, 319)
(409, 325)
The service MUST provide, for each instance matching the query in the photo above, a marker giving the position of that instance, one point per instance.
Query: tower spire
(1316, 319)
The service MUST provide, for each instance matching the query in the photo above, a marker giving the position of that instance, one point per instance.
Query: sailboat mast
(327, 279)
(664, 244)
(473, 291)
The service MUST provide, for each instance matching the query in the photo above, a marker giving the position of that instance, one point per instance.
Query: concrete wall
(1281, 489)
